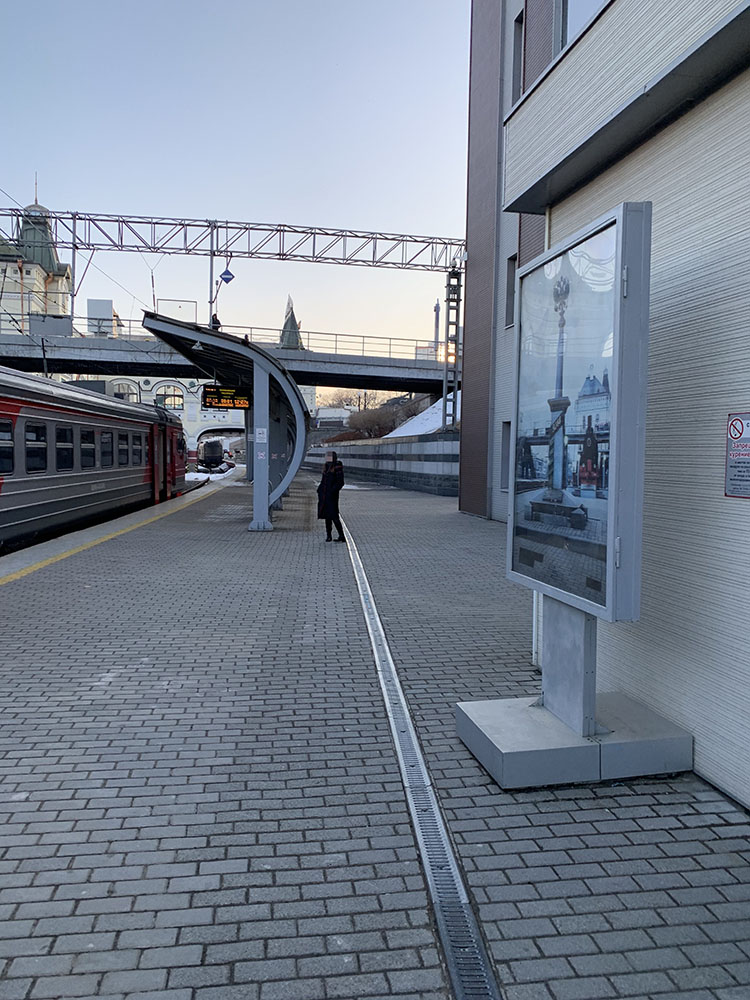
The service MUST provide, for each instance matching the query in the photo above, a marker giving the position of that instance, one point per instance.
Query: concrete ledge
(522, 745)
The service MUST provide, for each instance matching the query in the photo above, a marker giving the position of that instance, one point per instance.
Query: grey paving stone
(250, 809)
(587, 988)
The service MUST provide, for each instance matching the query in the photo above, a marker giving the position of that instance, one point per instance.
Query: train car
(69, 455)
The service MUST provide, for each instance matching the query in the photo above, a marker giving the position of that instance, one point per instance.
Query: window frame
(87, 445)
(111, 453)
(160, 397)
(66, 448)
(120, 463)
(36, 442)
(8, 447)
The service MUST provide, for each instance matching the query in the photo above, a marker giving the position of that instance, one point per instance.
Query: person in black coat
(328, 495)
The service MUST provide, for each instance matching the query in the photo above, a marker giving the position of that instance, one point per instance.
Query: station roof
(226, 359)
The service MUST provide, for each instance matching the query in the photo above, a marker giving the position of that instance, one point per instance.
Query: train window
(123, 449)
(137, 449)
(6, 447)
(108, 449)
(88, 449)
(181, 446)
(64, 449)
(36, 447)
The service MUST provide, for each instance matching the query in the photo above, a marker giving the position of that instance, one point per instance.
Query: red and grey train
(69, 455)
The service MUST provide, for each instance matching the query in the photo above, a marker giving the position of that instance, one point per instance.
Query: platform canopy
(277, 417)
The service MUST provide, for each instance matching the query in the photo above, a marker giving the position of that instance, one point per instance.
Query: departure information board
(221, 397)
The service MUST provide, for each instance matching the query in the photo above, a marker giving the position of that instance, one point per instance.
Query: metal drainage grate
(466, 957)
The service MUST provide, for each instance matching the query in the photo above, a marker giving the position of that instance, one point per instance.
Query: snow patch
(427, 422)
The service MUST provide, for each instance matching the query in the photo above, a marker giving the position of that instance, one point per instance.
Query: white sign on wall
(737, 471)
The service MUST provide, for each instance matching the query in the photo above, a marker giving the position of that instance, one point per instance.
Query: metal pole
(261, 445)
(437, 327)
(211, 275)
(73, 275)
(249, 440)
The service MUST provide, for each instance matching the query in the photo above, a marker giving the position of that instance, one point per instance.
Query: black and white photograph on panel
(564, 410)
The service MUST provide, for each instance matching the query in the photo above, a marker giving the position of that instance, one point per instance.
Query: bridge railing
(349, 344)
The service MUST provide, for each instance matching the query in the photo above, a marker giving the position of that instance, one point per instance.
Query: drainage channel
(466, 957)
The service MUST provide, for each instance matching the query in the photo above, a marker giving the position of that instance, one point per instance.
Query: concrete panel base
(522, 745)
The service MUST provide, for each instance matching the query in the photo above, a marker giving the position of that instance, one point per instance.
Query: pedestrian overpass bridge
(327, 359)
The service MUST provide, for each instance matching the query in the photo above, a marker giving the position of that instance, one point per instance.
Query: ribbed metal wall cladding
(481, 237)
(689, 655)
(530, 237)
(626, 47)
(539, 44)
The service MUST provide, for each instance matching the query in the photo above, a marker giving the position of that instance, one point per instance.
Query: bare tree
(374, 423)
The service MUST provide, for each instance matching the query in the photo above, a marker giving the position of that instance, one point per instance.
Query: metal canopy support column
(261, 419)
(249, 445)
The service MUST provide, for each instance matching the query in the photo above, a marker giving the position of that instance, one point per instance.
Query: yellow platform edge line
(97, 541)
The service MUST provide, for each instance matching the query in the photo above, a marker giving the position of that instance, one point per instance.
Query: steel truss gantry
(85, 231)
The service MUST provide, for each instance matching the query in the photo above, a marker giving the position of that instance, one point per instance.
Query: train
(69, 456)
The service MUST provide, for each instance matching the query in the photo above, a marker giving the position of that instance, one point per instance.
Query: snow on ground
(426, 422)
(192, 476)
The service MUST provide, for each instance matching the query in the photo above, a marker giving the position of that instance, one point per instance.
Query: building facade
(575, 108)
(33, 282)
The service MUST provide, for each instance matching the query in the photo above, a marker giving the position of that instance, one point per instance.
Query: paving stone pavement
(201, 800)
(632, 889)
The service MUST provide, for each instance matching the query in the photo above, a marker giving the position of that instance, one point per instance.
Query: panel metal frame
(628, 385)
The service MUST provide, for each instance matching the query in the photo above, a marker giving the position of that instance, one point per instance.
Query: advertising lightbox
(579, 430)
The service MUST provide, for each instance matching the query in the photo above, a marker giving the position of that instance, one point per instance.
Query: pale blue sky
(341, 113)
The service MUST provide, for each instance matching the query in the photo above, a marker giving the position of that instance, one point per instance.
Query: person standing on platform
(329, 488)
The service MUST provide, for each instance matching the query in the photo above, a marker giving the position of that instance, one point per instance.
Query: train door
(168, 464)
(163, 464)
(159, 454)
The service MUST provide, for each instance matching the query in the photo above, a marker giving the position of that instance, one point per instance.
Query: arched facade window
(171, 397)
(127, 391)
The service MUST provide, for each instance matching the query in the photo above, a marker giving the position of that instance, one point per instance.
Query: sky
(335, 113)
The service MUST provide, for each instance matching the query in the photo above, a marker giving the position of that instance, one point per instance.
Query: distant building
(333, 417)
(33, 282)
(594, 400)
(290, 336)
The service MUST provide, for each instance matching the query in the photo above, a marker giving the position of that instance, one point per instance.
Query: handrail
(358, 345)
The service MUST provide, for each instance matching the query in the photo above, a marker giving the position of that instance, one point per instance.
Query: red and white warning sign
(736, 428)
(737, 470)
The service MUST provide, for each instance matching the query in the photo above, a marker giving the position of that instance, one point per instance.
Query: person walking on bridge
(329, 488)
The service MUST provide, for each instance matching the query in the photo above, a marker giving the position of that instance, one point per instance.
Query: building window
(123, 450)
(88, 449)
(64, 449)
(171, 397)
(517, 81)
(505, 456)
(575, 15)
(6, 447)
(36, 447)
(137, 449)
(510, 290)
(127, 392)
(108, 449)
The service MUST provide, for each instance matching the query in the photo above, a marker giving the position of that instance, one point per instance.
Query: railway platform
(201, 799)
